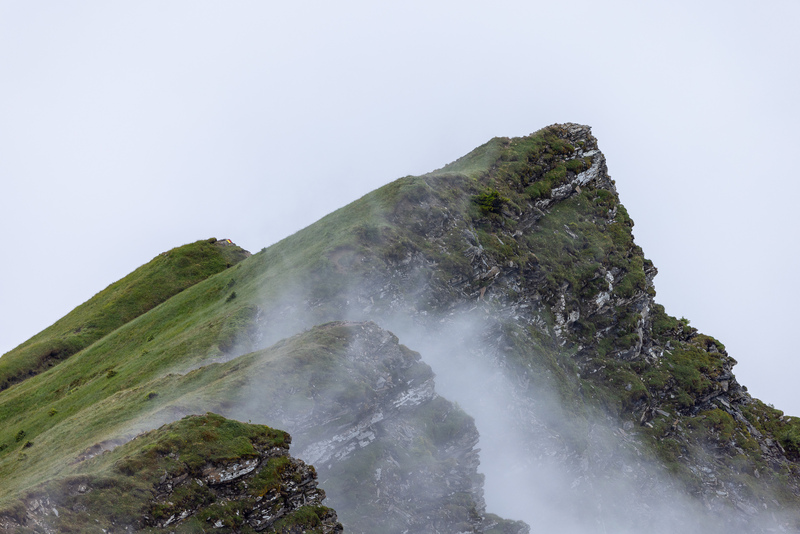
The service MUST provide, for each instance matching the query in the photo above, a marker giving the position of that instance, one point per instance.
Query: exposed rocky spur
(200, 474)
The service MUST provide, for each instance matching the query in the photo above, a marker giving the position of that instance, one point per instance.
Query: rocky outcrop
(203, 473)
(230, 487)
(393, 455)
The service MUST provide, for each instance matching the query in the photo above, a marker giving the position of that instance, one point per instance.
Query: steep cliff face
(201, 473)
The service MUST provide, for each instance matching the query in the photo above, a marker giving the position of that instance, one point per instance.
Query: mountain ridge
(524, 241)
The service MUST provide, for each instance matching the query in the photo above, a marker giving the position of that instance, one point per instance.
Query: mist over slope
(514, 274)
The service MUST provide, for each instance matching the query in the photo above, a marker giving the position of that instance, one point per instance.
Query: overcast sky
(129, 128)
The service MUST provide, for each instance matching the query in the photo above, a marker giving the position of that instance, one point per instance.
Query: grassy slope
(121, 302)
(50, 418)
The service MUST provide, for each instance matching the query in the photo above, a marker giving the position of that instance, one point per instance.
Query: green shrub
(662, 322)
(490, 201)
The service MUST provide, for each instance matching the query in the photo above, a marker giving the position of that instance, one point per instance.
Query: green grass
(121, 302)
(79, 393)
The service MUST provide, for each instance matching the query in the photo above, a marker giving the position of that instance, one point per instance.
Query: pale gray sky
(129, 128)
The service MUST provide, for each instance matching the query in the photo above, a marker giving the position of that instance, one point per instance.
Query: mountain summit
(483, 338)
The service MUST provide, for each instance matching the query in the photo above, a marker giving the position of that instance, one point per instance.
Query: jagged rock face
(228, 482)
(207, 482)
(393, 455)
